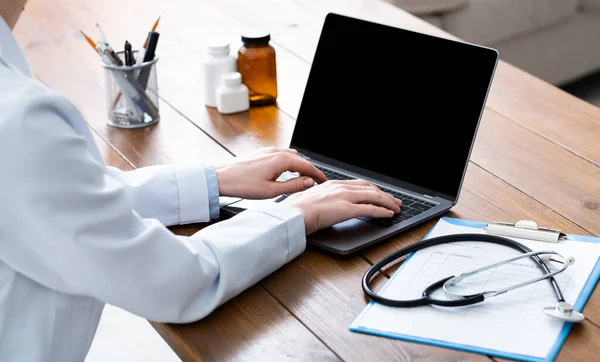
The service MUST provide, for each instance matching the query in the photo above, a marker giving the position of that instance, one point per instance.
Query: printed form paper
(510, 323)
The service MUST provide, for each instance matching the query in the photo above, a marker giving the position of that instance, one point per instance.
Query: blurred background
(556, 40)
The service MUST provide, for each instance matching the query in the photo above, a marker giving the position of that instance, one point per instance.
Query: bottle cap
(232, 78)
(256, 36)
(218, 48)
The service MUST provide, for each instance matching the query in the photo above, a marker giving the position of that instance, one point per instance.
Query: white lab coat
(75, 234)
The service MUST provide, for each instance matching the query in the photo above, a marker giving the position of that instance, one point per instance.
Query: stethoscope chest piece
(564, 311)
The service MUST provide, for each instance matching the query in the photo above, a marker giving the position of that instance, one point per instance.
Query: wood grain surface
(536, 157)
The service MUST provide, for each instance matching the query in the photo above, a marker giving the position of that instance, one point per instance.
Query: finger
(298, 164)
(294, 185)
(269, 150)
(357, 210)
(351, 182)
(360, 182)
(290, 151)
(377, 198)
(374, 188)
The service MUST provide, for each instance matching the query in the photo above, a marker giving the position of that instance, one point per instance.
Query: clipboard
(521, 230)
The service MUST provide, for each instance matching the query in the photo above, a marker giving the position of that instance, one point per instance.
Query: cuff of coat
(294, 219)
(213, 192)
(192, 194)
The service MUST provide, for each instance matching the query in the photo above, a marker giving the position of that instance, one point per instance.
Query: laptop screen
(394, 102)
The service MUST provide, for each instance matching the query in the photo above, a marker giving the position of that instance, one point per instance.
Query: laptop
(395, 107)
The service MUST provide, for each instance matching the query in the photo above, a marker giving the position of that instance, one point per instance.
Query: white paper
(510, 323)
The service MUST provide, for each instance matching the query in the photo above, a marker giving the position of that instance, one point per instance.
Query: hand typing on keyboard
(339, 200)
(254, 176)
(411, 205)
(271, 172)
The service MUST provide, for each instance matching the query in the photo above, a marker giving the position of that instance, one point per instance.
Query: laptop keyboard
(411, 206)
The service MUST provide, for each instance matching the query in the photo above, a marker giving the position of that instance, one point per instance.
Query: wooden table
(537, 156)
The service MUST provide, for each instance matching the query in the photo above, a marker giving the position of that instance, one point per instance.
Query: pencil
(90, 41)
(153, 29)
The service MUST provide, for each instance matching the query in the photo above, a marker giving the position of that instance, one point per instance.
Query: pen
(128, 54)
(102, 35)
(114, 58)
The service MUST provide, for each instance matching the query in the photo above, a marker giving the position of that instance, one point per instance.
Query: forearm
(247, 248)
(95, 245)
(172, 194)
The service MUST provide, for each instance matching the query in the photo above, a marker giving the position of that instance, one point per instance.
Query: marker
(153, 29)
(148, 56)
(128, 54)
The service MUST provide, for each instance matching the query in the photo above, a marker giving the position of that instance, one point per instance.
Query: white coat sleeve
(172, 194)
(69, 225)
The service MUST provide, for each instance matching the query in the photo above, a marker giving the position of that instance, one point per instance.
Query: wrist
(223, 180)
(308, 223)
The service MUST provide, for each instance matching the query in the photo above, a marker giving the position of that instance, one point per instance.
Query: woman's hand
(254, 176)
(336, 201)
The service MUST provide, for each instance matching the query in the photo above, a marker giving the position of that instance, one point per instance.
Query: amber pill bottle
(256, 64)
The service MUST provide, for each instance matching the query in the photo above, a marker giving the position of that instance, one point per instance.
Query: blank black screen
(395, 102)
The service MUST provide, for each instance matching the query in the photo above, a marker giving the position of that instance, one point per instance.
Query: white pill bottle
(232, 95)
(216, 62)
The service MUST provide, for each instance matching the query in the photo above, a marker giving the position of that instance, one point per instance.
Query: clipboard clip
(525, 229)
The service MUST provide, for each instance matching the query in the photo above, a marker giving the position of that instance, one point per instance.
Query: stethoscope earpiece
(569, 260)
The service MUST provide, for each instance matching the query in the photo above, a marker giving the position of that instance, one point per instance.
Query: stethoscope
(561, 310)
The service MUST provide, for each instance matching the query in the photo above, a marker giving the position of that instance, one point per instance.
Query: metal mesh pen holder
(131, 94)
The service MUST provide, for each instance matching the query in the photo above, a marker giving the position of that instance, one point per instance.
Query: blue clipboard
(578, 306)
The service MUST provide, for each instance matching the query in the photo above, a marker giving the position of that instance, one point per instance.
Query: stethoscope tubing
(426, 299)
